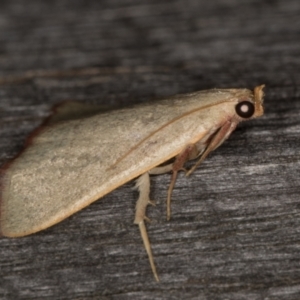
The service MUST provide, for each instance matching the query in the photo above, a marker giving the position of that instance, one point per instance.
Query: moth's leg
(161, 170)
(188, 153)
(143, 186)
(221, 135)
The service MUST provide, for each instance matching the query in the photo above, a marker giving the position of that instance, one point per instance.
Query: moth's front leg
(216, 140)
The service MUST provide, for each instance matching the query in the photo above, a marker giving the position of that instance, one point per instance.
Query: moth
(75, 159)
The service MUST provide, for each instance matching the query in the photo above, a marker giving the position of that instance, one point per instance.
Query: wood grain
(235, 227)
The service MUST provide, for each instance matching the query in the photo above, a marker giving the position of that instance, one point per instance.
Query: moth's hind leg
(143, 186)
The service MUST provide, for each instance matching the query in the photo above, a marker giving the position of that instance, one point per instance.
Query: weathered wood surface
(235, 228)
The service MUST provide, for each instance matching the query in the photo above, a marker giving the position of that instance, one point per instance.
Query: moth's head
(253, 107)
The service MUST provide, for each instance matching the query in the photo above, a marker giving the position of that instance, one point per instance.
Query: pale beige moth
(73, 160)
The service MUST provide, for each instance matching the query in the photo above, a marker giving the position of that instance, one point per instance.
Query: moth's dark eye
(245, 109)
